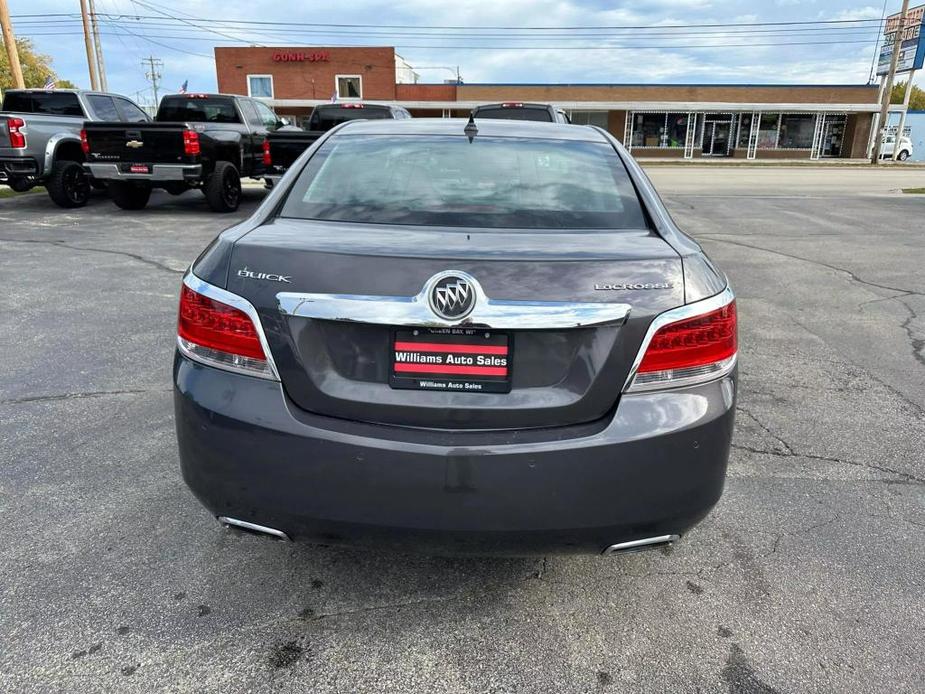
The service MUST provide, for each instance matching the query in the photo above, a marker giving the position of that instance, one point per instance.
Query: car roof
(488, 127)
(514, 104)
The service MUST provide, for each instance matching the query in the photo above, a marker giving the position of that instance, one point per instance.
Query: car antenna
(471, 129)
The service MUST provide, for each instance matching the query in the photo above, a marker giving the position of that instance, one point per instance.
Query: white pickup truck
(40, 138)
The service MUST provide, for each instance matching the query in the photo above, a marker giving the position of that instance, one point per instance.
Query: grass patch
(914, 191)
(10, 193)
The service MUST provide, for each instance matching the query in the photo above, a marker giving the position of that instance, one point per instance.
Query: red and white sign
(301, 57)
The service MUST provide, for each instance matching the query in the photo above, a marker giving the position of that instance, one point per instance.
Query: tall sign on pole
(10, 42)
(893, 47)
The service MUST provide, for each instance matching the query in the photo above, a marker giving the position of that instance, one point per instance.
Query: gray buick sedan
(453, 337)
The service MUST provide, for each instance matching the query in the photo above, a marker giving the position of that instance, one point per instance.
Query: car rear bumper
(18, 166)
(159, 172)
(656, 468)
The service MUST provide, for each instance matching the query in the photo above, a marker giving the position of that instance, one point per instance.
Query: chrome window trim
(416, 311)
(239, 302)
(671, 316)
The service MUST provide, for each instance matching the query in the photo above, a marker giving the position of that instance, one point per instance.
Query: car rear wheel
(223, 189)
(129, 196)
(903, 155)
(20, 185)
(68, 185)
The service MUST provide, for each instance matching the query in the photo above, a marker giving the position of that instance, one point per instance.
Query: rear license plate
(451, 359)
(139, 168)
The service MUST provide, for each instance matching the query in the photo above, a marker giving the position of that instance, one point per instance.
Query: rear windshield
(515, 113)
(326, 117)
(52, 103)
(492, 182)
(197, 110)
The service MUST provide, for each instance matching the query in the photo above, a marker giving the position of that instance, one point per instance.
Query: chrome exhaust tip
(641, 545)
(253, 528)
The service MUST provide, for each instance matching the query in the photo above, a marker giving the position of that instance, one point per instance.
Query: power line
(251, 22)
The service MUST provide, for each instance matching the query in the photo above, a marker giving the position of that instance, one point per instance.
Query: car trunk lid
(560, 376)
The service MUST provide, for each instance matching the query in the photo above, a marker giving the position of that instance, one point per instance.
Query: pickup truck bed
(285, 146)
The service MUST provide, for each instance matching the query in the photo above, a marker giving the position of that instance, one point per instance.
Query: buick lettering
(485, 337)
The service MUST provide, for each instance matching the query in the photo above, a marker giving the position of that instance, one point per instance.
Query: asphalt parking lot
(809, 575)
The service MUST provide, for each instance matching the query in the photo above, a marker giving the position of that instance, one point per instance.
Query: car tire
(129, 196)
(903, 155)
(223, 188)
(20, 185)
(68, 185)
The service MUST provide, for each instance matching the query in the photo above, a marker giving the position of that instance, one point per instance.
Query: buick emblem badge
(452, 296)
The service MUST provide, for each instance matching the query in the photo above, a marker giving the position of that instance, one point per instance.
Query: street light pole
(888, 88)
(10, 41)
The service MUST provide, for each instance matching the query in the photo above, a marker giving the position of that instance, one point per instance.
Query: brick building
(706, 120)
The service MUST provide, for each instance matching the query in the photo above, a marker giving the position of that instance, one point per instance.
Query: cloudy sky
(134, 29)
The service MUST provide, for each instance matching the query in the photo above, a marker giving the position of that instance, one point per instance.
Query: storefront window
(767, 130)
(677, 130)
(598, 118)
(745, 129)
(662, 130)
(796, 131)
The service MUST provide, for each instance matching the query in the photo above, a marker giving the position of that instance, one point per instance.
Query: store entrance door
(716, 135)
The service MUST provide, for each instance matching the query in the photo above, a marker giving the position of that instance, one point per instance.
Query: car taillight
(191, 143)
(688, 348)
(84, 142)
(17, 137)
(218, 334)
(267, 158)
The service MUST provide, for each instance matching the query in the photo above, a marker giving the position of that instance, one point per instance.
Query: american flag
(49, 83)
(184, 86)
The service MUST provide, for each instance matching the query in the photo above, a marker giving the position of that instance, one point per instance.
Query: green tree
(916, 99)
(36, 68)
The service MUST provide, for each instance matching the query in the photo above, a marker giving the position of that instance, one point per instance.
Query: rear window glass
(51, 103)
(194, 110)
(515, 113)
(446, 180)
(327, 117)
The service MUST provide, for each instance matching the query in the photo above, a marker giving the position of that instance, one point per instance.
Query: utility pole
(888, 87)
(153, 64)
(98, 46)
(10, 42)
(91, 61)
(902, 117)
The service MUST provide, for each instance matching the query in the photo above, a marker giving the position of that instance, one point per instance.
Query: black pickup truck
(205, 141)
(284, 146)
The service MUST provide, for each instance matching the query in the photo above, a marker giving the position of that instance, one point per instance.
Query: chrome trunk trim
(487, 313)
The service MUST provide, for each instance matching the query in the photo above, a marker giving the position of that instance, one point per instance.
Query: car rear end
(27, 119)
(458, 346)
(152, 153)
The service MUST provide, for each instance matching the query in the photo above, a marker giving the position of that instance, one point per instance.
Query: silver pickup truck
(40, 142)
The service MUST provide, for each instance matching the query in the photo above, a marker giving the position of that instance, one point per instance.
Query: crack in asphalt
(766, 429)
(918, 344)
(80, 396)
(836, 268)
(133, 256)
(829, 459)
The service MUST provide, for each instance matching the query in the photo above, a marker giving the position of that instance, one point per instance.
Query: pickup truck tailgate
(143, 143)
